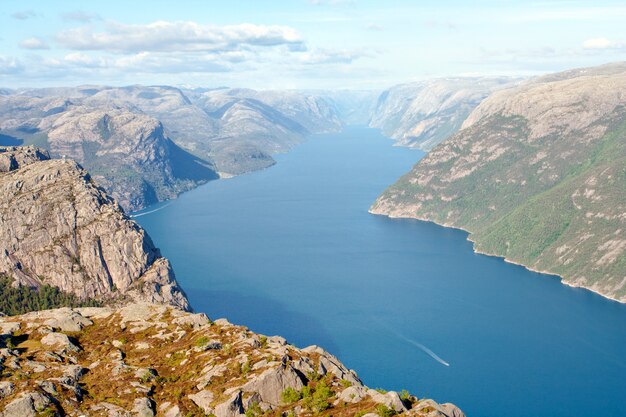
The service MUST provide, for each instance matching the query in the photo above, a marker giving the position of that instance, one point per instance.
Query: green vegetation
(290, 395)
(553, 203)
(383, 411)
(22, 299)
(316, 398)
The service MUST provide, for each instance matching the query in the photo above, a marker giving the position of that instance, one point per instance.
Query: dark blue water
(292, 251)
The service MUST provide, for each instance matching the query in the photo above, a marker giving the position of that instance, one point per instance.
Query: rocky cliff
(423, 114)
(145, 360)
(57, 227)
(537, 176)
(148, 144)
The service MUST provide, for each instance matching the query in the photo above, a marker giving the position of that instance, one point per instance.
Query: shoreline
(504, 258)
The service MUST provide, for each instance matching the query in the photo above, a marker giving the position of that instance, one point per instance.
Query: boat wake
(132, 216)
(423, 348)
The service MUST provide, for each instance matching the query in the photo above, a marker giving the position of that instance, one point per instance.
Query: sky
(300, 44)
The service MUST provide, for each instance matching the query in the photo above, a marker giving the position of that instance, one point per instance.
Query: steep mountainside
(145, 360)
(127, 152)
(253, 125)
(58, 228)
(138, 141)
(538, 176)
(425, 113)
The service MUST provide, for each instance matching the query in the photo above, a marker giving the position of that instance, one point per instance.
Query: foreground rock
(536, 176)
(58, 228)
(147, 359)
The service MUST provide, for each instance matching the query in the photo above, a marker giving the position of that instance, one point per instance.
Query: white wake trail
(132, 216)
(414, 343)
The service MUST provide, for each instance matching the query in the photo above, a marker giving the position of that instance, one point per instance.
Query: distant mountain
(537, 175)
(148, 144)
(422, 114)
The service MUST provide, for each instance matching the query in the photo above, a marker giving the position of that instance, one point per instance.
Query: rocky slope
(538, 176)
(148, 144)
(58, 228)
(423, 114)
(127, 152)
(146, 359)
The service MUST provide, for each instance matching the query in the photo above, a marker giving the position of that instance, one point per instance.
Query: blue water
(292, 251)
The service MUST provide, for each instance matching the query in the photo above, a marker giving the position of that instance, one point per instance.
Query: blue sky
(300, 43)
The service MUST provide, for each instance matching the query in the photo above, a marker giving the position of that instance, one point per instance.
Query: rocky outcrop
(261, 375)
(58, 228)
(536, 176)
(148, 144)
(423, 114)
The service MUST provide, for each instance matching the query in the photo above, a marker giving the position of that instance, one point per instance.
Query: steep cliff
(423, 114)
(538, 176)
(149, 143)
(58, 228)
(145, 360)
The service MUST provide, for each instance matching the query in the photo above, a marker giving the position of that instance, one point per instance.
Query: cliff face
(148, 144)
(536, 176)
(57, 227)
(146, 360)
(423, 114)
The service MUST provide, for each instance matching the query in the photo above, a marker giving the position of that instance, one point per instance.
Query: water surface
(292, 251)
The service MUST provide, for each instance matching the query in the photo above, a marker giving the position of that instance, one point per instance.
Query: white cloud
(10, 65)
(329, 56)
(603, 43)
(81, 16)
(164, 36)
(34, 43)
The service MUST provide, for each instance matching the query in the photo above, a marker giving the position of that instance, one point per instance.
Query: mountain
(537, 175)
(252, 125)
(58, 228)
(149, 144)
(128, 152)
(147, 359)
(423, 114)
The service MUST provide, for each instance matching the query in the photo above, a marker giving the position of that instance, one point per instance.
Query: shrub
(383, 411)
(290, 395)
(318, 400)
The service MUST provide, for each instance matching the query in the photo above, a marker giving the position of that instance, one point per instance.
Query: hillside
(59, 229)
(423, 114)
(538, 176)
(103, 362)
(149, 144)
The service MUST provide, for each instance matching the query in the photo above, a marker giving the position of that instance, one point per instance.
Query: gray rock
(67, 320)
(271, 383)
(233, 407)
(57, 227)
(352, 394)
(438, 410)
(391, 399)
(143, 407)
(27, 405)
(168, 409)
(203, 399)
(59, 341)
(6, 388)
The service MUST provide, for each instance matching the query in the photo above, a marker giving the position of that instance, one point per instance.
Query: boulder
(390, 399)
(60, 341)
(27, 405)
(271, 383)
(203, 399)
(233, 407)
